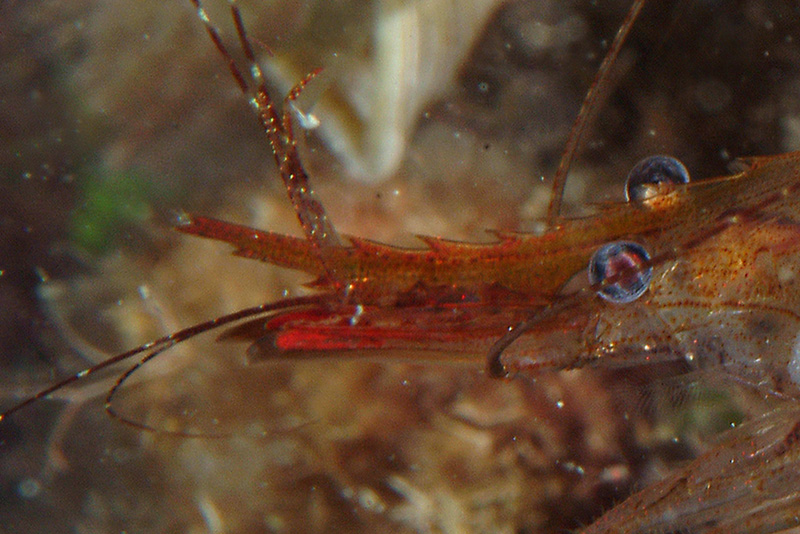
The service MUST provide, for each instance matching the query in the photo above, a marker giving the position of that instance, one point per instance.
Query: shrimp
(699, 276)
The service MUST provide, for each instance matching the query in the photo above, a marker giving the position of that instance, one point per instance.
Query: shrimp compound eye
(621, 270)
(653, 176)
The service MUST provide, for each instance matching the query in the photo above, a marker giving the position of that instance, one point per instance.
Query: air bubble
(653, 176)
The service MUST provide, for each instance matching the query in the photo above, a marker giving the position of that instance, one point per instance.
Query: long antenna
(154, 348)
(588, 110)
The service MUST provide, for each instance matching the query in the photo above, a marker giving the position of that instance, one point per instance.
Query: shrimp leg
(748, 485)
